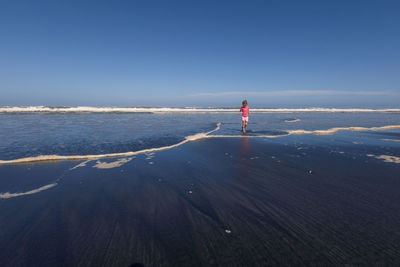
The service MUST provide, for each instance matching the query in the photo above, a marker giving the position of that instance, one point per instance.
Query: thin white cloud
(294, 93)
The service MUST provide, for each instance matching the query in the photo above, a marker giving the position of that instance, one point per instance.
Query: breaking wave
(88, 109)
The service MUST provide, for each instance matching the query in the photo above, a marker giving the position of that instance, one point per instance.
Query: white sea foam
(246, 136)
(386, 158)
(34, 191)
(392, 140)
(88, 109)
(110, 155)
(109, 165)
(150, 156)
(192, 138)
(82, 164)
(337, 129)
(292, 120)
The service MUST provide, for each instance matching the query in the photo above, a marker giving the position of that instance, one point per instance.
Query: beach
(199, 133)
(209, 202)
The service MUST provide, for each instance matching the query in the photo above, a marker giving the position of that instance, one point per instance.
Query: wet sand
(222, 202)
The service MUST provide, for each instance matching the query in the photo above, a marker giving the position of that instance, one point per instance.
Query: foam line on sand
(110, 155)
(386, 158)
(109, 165)
(338, 129)
(34, 191)
(292, 120)
(82, 164)
(193, 138)
(246, 136)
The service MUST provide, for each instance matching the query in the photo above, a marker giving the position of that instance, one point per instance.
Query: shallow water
(29, 135)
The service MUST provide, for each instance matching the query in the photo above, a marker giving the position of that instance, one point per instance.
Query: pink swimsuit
(245, 111)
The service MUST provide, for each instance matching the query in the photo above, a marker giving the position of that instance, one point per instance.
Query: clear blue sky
(200, 53)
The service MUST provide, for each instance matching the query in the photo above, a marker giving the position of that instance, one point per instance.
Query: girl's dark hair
(244, 102)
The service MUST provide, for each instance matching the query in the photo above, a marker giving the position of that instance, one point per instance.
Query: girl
(245, 115)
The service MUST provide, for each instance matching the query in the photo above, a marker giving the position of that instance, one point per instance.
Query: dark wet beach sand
(214, 202)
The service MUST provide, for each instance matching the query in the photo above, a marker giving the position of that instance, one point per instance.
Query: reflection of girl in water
(245, 110)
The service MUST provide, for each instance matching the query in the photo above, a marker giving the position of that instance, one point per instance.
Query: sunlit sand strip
(34, 191)
(392, 140)
(386, 158)
(111, 155)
